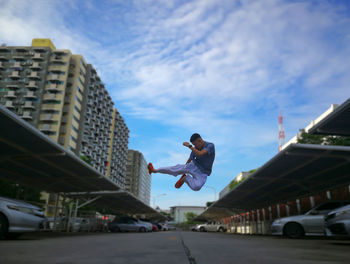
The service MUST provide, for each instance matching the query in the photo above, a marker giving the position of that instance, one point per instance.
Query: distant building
(138, 180)
(178, 213)
(239, 177)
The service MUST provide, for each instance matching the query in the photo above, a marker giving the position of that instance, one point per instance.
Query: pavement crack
(191, 259)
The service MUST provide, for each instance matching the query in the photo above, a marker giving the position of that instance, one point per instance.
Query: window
(78, 99)
(76, 108)
(75, 118)
(81, 81)
(73, 139)
(75, 129)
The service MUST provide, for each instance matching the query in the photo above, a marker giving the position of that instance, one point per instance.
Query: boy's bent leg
(195, 183)
(174, 170)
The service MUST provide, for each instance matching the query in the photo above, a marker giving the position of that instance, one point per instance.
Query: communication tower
(281, 135)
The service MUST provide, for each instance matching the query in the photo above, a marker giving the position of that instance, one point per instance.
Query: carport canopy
(297, 171)
(336, 123)
(119, 202)
(30, 158)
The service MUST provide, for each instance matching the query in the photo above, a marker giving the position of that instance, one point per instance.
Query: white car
(210, 227)
(17, 217)
(311, 223)
(338, 222)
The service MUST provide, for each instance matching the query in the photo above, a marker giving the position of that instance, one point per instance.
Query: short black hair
(194, 137)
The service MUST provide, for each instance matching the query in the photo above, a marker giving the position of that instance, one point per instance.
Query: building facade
(61, 95)
(138, 180)
(178, 213)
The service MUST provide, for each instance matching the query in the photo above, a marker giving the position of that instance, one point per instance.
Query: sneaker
(150, 168)
(181, 181)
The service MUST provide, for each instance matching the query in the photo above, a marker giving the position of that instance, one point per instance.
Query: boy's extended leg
(174, 170)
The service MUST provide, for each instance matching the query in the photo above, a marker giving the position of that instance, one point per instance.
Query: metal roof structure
(298, 170)
(31, 158)
(119, 202)
(336, 123)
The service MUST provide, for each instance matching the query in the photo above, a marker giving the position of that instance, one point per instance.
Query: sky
(224, 69)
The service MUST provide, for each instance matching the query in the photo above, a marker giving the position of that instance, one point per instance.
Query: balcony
(14, 75)
(9, 105)
(32, 85)
(52, 97)
(30, 95)
(19, 57)
(51, 107)
(16, 65)
(38, 57)
(12, 86)
(47, 117)
(36, 66)
(46, 128)
(53, 88)
(53, 77)
(26, 115)
(3, 58)
(1, 66)
(10, 94)
(34, 76)
(29, 105)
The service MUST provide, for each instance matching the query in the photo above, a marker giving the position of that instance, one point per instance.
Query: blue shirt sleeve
(209, 148)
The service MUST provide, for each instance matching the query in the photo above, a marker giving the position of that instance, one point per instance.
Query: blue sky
(224, 69)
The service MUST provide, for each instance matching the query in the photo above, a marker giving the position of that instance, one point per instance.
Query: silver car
(311, 223)
(338, 222)
(210, 227)
(128, 224)
(17, 217)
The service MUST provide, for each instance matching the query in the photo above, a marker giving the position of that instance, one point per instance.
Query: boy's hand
(186, 144)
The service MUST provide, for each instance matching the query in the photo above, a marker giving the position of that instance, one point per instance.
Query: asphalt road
(170, 247)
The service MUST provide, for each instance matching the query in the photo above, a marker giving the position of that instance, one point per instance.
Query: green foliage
(234, 183)
(86, 159)
(189, 217)
(16, 191)
(306, 138)
(209, 204)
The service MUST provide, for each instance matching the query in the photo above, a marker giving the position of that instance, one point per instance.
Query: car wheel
(3, 226)
(221, 229)
(202, 229)
(142, 229)
(293, 230)
(117, 229)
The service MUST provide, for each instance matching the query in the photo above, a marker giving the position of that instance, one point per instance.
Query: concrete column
(312, 201)
(298, 206)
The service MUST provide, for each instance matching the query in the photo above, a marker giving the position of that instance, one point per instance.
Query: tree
(190, 216)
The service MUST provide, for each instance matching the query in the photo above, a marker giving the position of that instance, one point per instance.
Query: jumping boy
(197, 168)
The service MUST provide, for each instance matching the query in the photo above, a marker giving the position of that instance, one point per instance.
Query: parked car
(81, 224)
(163, 226)
(127, 224)
(210, 227)
(149, 226)
(338, 222)
(311, 223)
(154, 228)
(17, 217)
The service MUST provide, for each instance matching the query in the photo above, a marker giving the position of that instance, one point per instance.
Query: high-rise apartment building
(138, 180)
(63, 96)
